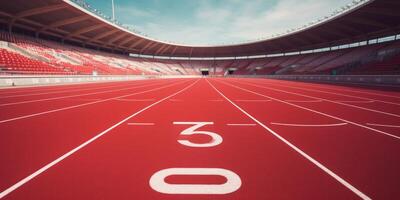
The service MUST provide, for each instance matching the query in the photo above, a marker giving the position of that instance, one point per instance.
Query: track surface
(275, 139)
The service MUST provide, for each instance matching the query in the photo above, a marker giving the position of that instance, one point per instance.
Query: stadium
(91, 108)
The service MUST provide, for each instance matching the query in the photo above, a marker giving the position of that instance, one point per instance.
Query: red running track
(199, 139)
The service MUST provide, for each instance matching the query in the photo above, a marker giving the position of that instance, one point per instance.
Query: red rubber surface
(352, 132)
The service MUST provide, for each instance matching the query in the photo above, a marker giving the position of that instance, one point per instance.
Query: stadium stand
(27, 55)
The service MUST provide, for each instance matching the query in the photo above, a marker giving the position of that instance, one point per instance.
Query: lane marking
(133, 100)
(298, 150)
(51, 164)
(327, 100)
(250, 100)
(65, 91)
(314, 111)
(309, 125)
(140, 124)
(304, 101)
(85, 99)
(334, 93)
(348, 90)
(77, 95)
(81, 105)
(384, 125)
(371, 101)
(241, 124)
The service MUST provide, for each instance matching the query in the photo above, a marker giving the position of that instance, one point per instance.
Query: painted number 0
(216, 139)
(233, 183)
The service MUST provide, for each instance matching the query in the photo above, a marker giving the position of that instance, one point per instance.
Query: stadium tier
(27, 55)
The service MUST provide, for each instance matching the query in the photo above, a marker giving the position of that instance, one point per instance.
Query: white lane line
(49, 165)
(241, 124)
(251, 100)
(309, 125)
(65, 91)
(140, 124)
(133, 100)
(327, 100)
(77, 95)
(85, 99)
(384, 125)
(314, 111)
(334, 93)
(80, 105)
(349, 90)
(304, 101)
(298, 150)
(371, 101)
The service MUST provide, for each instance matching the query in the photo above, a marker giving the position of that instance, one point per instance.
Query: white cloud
(238, 20)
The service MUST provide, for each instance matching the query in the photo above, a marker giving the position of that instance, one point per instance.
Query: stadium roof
(69, 21)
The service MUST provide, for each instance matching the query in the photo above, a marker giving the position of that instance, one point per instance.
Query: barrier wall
(350, 79)
(30, 80)
(359, 79)
(7, 81)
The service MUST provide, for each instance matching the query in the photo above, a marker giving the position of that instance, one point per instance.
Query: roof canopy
(69, 22)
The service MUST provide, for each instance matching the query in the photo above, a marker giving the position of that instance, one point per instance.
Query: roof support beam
(160, 49)
(64, 22)
(102, 35)
(148, 46)
(85, 30)
(165, 49)
(136, 43)
(121, 35)
(125, 41)
(173, 51)
(37, 11)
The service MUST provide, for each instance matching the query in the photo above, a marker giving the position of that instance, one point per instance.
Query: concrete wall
(7, 81)
(360, 79)
(32, 80)
(352, 79)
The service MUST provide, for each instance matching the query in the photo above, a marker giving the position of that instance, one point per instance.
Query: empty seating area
(15, 63)
(27, 55)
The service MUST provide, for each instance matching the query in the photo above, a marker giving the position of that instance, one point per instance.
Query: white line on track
(298, 150)
(314, 111)
(250, 100)
(140, 124)
(66, 91)
(334, 93)
(51, 164)
(77, 95)
(84, 104)
(119, 99)
(384, 125)
(241, 124)
(371, 101)
(309, 125)
(350, 90)
(87, 99)
(327, 100)
(304, 101)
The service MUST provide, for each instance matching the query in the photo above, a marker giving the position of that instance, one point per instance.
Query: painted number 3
(233, 183)
(216, 139)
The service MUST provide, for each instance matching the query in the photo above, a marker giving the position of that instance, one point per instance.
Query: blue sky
(207, 22)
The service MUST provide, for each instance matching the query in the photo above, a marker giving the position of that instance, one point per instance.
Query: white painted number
(157, 181)
(216, 139)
